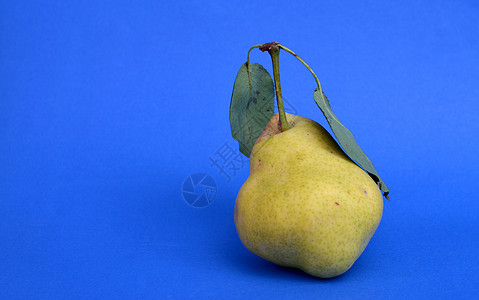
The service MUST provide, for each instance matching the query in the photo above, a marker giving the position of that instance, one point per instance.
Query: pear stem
(279, 96)
(304, 63)
(273, 50)
(248, 66)
(249, 51)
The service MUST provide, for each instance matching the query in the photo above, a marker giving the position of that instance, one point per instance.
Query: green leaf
(347, 141)
(252, 105)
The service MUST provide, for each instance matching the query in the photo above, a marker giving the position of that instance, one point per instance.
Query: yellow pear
(305, 204)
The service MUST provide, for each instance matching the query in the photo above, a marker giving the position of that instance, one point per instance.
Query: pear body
(305, 204)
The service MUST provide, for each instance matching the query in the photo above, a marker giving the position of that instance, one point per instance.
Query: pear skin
(306, 204)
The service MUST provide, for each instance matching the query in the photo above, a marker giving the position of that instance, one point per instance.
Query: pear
(306, 204)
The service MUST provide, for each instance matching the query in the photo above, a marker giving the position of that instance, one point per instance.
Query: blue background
(106, 107)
